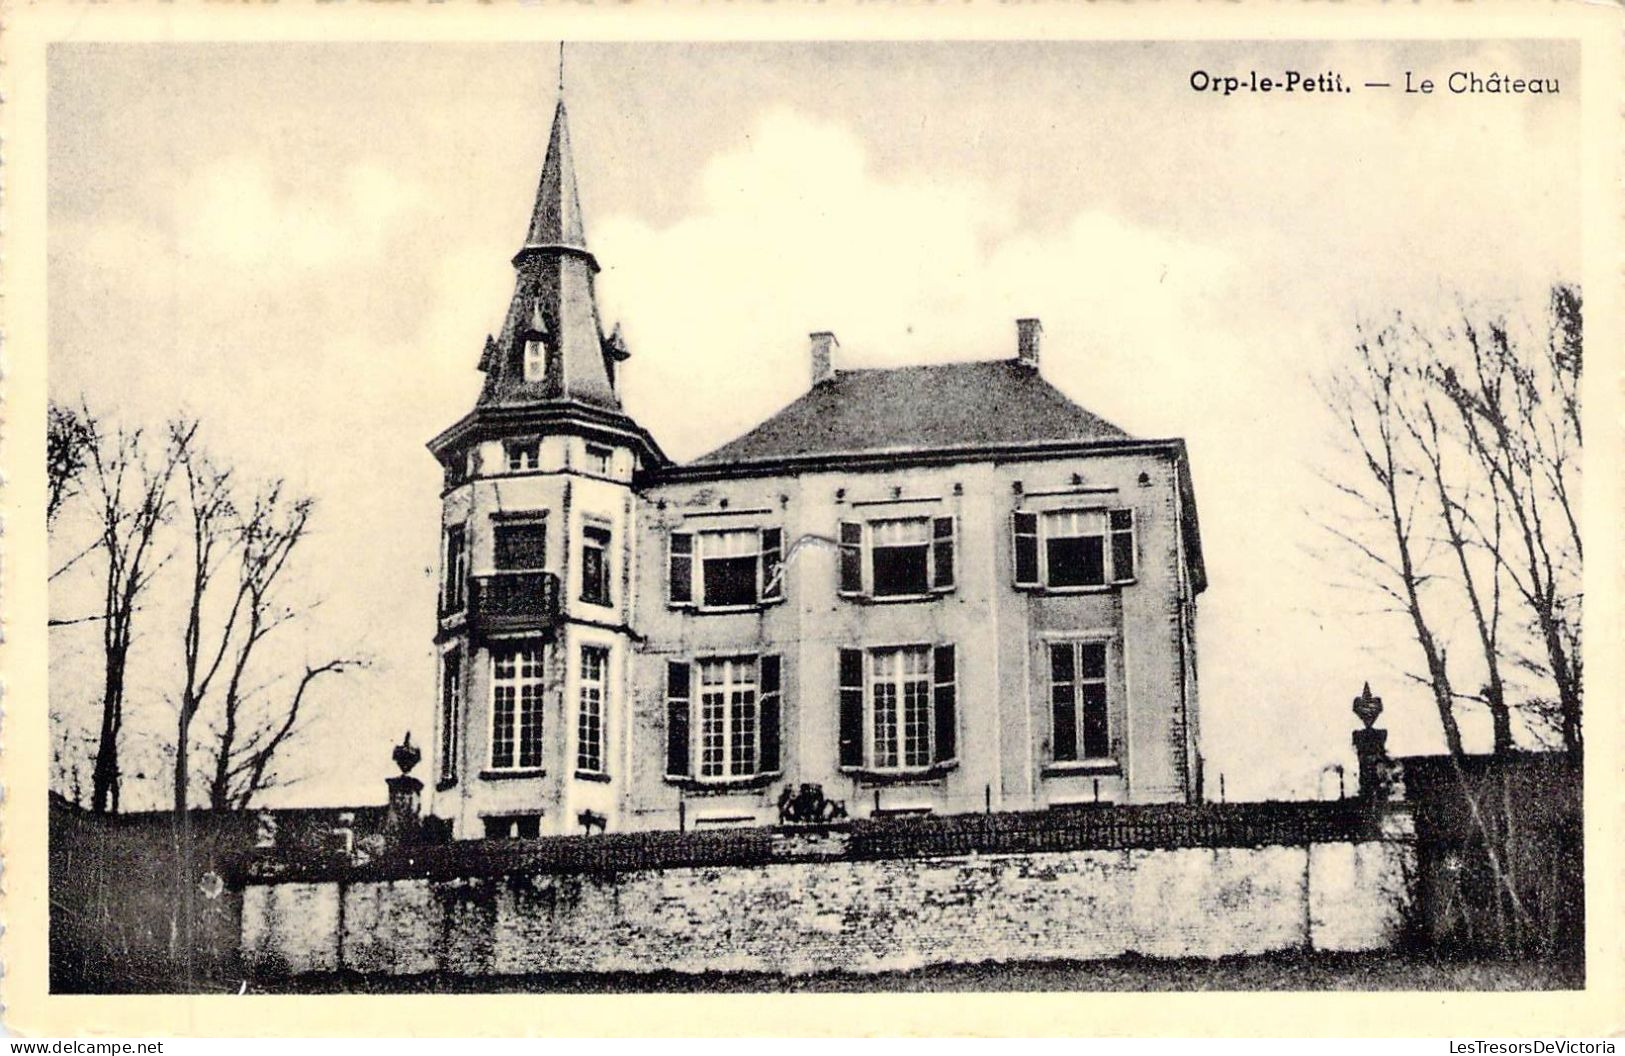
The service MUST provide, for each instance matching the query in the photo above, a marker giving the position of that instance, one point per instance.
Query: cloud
(233, 211)
(793, 232)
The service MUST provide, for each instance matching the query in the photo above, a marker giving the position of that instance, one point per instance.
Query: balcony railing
(513, 601)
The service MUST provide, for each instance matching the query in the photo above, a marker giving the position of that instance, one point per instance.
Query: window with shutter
(677, 727)
(680, 568)
(851, 557)
(851, 707)
(1122, 532)
(944, 699)
(942, 553)
(772, 564)
(771, 714)
(1024, 529)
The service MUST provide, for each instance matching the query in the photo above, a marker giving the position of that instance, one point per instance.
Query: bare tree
(1464, 491)
(250, 723)
(1466, 442)
(130, 486)
(69, 433)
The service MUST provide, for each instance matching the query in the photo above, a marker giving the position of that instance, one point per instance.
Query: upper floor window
(722, 718)
(454, 590)
(1078, 696)
(897, 557)
(725, 569)
(1069, 549)
(519, 545)
(522, 455)
(898, 707)
(516, 706)
(595, 541)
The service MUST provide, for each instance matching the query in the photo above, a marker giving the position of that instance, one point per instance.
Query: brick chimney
(1028, 333)
(823, 356)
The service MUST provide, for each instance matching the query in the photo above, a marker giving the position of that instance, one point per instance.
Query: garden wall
(794, 902)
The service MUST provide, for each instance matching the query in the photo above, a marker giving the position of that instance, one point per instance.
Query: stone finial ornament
(407, 755)
(1367, 706)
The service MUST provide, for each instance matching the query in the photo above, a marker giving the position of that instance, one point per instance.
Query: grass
(1291, 971)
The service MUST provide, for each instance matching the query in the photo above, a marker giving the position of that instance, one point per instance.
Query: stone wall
(804, 916)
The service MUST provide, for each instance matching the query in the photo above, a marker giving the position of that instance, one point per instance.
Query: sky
(305, 245)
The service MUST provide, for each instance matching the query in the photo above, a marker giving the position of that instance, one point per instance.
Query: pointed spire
(615, 345)
(488, 358)
(556, 222)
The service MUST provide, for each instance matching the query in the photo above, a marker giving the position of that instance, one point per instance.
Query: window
(451, 713)
(903, 557)
(724, 714)
(516, 706)
(590, 716)
(454, 591)
(599, 459)
(730, 569)
(535, 359)
(898, 707)
(595, 565)
(1070, 549)
(513, 827)
(519, 546)
(522, 455)
(1078, 701)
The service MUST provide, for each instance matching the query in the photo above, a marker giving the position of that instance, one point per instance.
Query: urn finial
(1367, 706)
(406, 754)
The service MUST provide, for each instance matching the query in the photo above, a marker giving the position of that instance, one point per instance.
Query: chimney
(823, 356)
(1028, 333)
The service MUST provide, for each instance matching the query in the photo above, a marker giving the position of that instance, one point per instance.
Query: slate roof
(936, 407)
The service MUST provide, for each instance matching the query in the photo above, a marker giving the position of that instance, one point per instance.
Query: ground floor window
(513, 827)
(898, 707)
(1078, 700)
(722, 717)
(516, 706)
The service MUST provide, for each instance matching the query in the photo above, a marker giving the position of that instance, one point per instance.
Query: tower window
(519, 546)
(516, 706)
(535, 359)
(595, 565)
(599, 459)
(454, 591)
(590, 717)
(523, 455)
(451, 700)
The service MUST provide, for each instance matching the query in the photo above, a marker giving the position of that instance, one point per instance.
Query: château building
(942, 588)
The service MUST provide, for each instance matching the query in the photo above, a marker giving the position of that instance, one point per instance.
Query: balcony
(513, 601)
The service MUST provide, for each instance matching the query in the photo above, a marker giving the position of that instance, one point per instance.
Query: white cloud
(234, 212)
(793, 233)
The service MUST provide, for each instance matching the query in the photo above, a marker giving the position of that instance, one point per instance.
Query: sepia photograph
(599, 516)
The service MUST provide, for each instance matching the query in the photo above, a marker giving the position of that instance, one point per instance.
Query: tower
(537, 521)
